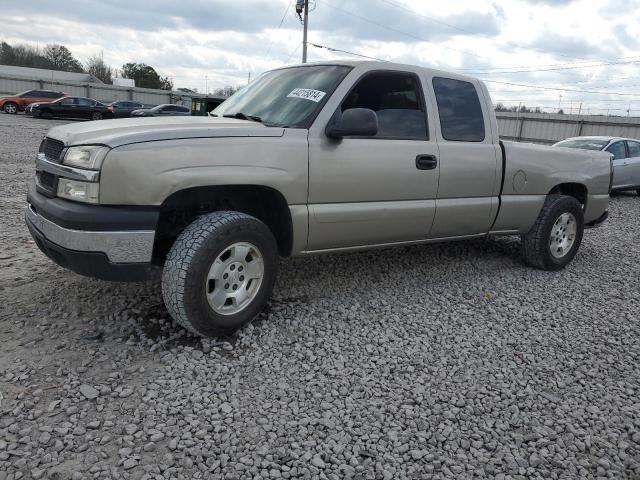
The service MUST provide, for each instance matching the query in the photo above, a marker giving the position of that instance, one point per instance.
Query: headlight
(88, 156)
(79, 191)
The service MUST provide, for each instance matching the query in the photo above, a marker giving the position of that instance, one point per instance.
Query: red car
(17, 103)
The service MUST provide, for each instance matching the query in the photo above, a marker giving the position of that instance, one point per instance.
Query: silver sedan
(626, 157)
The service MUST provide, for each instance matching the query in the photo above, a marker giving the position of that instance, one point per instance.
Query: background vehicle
(72, 107)
(626, 157)
(17, 103)
(123, 108)
(162, 111)
(335, 157)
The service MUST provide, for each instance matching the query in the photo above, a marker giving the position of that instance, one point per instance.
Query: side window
(617, 149)
(634, 149)
(85, 102)
(397, 100)
(460, 112)
(68, 101)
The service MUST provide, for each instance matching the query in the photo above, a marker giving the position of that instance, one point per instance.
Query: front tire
(96, 116)
(11, 108)
(219, 273)
(554, 239)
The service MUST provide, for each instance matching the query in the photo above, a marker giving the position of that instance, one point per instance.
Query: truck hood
(115, 133)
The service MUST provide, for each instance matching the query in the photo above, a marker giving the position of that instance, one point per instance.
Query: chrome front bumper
(131, 246)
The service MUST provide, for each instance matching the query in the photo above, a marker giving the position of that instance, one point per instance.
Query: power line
(562, 88)
(277, 29)
(477, 34)
(373, 22)
(572, 67)
(331, 49)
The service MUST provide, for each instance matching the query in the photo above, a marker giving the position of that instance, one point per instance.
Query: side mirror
(354, 122)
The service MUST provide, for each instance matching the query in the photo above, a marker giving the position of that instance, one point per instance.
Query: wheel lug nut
(233, 267)
(235, 287)
(225, 276)
(242, 278)
(226, 286)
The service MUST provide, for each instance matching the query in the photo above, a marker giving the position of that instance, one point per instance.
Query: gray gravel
(443, 361)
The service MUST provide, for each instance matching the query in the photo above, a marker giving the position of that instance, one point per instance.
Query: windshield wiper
(243, 116)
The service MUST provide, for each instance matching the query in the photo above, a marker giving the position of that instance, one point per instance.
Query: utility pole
(303, 6)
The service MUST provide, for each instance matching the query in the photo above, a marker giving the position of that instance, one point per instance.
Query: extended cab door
(470, 158)
(374, 190)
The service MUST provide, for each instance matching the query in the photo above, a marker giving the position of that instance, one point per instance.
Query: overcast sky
(225, 40)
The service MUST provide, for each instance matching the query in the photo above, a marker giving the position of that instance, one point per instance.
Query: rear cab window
(460, 110)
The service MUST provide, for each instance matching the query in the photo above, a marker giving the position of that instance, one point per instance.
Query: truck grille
(52, 149)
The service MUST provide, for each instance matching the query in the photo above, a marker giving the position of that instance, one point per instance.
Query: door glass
(397, 100)
(67, 101)
(85, 102)
(460, 112)
(634, 149)
(617, 149)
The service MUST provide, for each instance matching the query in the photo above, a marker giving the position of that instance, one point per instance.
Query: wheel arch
(572, 189)
(183, 206)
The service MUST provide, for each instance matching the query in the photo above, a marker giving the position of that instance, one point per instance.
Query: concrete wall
(550, 128)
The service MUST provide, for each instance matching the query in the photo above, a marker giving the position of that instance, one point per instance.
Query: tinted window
(460, 112)
(397, 100)
(68, 101)
(182, 109)
(31, 93)
(617, 149)
(85, 102)
(634, 149)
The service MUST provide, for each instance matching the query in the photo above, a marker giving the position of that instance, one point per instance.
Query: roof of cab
(374, 64)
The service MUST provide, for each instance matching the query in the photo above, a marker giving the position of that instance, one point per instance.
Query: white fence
(10, 85)
(551, 128)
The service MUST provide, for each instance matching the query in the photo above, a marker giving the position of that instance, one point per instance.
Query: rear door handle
(426, 162)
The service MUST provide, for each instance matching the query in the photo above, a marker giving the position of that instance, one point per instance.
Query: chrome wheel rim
(10, 108)
(234, 278)
(563, 235)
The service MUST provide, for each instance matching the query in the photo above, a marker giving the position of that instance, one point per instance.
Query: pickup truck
(309, 159)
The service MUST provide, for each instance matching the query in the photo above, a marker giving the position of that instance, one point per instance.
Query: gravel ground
(441, 361)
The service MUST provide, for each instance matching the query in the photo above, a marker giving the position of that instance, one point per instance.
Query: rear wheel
(554, 239)
(96, 116)
(10, 107)
(219, 273)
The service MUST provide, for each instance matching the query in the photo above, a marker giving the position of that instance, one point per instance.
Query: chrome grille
(52, 149)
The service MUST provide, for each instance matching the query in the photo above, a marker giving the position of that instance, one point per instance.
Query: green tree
(99, 69)
(146, 76)
(61, 59)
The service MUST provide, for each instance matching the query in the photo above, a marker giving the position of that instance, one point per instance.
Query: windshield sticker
(307, 94)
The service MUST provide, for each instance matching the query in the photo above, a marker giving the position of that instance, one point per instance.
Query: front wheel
(96, 116)
(220, 273)
(11, 108)
(554, 239)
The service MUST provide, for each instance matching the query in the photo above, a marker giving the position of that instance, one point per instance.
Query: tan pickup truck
(315, 158)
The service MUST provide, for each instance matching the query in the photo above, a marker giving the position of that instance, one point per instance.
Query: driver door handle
(426, 162)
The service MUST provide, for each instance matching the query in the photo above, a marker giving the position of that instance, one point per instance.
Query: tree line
(60, 58)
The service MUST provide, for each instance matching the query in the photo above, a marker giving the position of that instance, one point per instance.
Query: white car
(626, 157)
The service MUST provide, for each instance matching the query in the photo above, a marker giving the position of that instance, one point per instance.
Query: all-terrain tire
(536, 244)
(184, 278)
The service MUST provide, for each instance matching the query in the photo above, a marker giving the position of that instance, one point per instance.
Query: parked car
(626, 157)
(18, 103)
(310, 159)
(72, 107)
(162, 111)
(123, 108)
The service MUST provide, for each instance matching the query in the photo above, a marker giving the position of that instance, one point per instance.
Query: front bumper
(109, 243)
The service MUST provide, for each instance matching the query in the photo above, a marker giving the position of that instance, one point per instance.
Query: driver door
(374, 190)
(620, 163)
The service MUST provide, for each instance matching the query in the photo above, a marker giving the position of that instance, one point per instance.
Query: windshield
(288, 97)
(584, 143)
